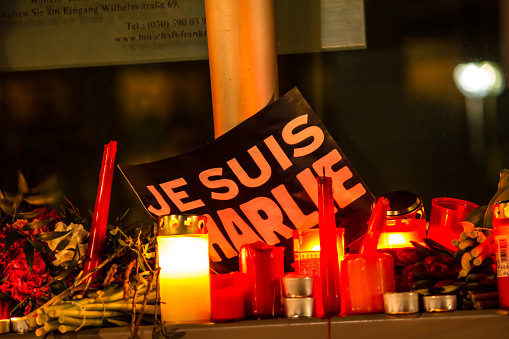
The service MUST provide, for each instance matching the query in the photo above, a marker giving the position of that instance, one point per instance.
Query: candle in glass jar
(184, 277)
(264, 268)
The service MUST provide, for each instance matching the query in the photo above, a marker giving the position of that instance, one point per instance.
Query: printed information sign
(42, 34)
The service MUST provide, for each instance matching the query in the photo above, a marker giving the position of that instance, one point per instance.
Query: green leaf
(117, 322)
(5, 206)
(47, 236)
(36, 224)
(10, 197)
(47, 185)
(62, 245)
(476, 216)
(28, 215)
(423, 284)
(29, 255)
(43, 199)
(422, 249)
(71, 268)
(41, 248)
(57, 287)
(502, 194)
(22, 183)
(122, 243)
(141, 261)
(10, 239)
(438, 247)
(17, 201)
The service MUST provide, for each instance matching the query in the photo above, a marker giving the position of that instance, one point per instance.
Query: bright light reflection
(479, 79)
(316, 247)
(396, 239)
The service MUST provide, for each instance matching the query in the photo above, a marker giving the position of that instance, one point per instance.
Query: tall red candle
(329, 263)
(102, 204)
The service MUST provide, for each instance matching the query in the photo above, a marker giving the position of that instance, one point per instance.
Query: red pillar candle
(227, 297)
(329, 263)
(101, 209)
(264, 268)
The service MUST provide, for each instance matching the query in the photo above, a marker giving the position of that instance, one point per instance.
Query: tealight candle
(401, 302)
(299, 307)
(5, 326)
(440, 303)
(19, 325)
(297, 285)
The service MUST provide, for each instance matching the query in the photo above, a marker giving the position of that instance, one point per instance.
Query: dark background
(393, 108)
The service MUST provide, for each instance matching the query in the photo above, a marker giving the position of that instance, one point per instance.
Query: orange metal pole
(242, 58)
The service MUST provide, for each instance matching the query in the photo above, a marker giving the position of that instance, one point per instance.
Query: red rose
(20, 283)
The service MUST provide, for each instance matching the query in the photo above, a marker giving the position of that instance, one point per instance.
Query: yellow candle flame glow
(184, 278)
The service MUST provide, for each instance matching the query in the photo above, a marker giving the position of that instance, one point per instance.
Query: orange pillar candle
(366, 276)
(364, 280)
(102, 205)
(329, 263)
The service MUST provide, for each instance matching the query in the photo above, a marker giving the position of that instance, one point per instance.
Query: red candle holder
(264, 268)
(445, 218)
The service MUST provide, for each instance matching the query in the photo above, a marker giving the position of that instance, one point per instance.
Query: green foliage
(481, 217)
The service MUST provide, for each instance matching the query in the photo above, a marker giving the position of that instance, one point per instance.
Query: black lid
(402, 202)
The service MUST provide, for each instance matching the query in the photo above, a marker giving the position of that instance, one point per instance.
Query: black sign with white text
(257, 181)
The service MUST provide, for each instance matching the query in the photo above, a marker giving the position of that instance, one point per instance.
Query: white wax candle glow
(184, 278)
